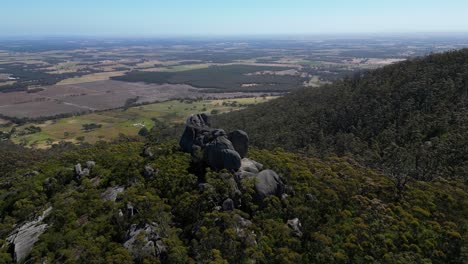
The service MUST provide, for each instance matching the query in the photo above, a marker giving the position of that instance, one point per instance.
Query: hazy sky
(229, 17)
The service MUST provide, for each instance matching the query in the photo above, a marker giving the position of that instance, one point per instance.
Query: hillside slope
(409, 118)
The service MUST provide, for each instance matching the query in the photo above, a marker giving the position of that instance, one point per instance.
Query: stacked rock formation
(220, 150)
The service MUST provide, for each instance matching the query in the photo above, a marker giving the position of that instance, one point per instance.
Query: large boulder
(240, 141)
(213, 147)
(228, 205)
(220, 154)
(23, 238)
(249, 165)
(195, 127)
(79, 172)
(268, 183)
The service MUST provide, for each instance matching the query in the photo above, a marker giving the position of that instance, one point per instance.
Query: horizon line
(247, 35)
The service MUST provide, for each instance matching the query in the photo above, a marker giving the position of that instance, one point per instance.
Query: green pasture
(123, 121)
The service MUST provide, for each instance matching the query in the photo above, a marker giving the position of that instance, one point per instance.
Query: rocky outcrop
(249, 165)
(111, 193)
(144, 241)
(228, 204)
(90, 164)
(147, 152)
(214, 148)
(241, 224)
(295, 226)
(148, 171)
(208, 145)
(23, 238)
(268, 183)
(196, 127)
(240, 141)
(83, 172)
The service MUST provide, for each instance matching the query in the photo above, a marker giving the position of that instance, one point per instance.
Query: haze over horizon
(145, 18)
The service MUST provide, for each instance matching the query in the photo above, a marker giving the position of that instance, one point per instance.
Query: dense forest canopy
(223, 78)
(347, 213)
(414, 110)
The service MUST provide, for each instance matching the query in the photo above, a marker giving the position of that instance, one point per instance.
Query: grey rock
(152, 242)
(249, 165)
(228, 205)
(295, 226)
(241, 221)
(240, 141)
(148, 171)
(85, 172)
(195, 126)
(160, 248)
(240, 175)
(310, 197)
(130, 209)
(240, 226)
(220, 154)
(79, 172)
(147, 152)
(78, 169)
(24, 237)
(111, 193)
(268, 183)
(90, 164)
(213, 147)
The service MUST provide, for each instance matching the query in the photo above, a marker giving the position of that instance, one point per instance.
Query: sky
(152, 18)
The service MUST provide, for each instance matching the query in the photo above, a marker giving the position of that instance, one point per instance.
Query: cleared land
(127, 122)
(100, 95)
(101, 76)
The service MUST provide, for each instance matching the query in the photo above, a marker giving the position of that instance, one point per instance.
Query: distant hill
(409, 118)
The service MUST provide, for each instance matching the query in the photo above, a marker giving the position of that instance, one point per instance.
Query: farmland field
(121, 121)
(99, 95)
(115, 83)
(102, 76)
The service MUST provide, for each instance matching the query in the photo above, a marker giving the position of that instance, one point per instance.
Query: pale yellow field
(101, 76)
(179, 67)
(65, 67)
(7, 83)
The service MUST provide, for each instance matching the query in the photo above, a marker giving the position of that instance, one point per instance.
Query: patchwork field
(100, 95)
(128, 122)
(94, 80)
